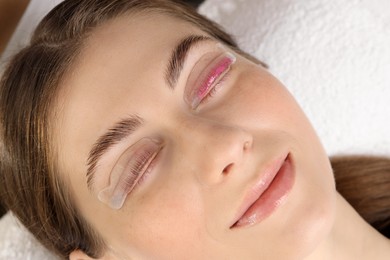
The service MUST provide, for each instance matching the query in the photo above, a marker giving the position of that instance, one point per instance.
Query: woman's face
(206, 157)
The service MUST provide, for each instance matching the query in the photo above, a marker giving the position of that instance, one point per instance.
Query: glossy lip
(268, 193)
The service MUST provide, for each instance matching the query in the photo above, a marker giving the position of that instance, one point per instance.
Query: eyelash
(210, 79)
(140, 169)
(214, 89)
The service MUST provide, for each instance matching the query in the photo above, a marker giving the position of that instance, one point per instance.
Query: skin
(210, 157)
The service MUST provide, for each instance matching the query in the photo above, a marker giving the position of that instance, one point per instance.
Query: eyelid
(126, 173)
(213, 66)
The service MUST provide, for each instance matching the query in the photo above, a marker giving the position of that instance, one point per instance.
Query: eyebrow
(114, 135)
(178, 57)
(127, 126)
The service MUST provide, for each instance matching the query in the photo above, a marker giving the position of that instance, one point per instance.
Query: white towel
(17, 243)
(333, 55)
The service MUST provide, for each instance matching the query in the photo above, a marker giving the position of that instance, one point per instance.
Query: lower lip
(272, 198)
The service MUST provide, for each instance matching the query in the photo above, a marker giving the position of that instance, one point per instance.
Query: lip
(269, 192)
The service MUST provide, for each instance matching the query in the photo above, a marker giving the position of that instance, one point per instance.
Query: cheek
(258, 100)
(155, 222)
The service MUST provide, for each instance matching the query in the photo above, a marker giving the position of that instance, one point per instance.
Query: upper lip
(265, 178)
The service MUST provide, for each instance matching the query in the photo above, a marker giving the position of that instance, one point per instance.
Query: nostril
(227, 169)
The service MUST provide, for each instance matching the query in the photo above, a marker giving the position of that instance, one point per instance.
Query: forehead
(126, 54)
(134, 37)
(130, 45)
(122, 54)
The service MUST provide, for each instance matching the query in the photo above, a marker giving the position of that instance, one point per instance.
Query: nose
(214, 150)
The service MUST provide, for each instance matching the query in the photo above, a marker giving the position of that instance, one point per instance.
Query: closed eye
(132, 168)
(208, 82)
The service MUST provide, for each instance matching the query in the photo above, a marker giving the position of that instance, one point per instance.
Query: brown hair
(365, 183)
(29, 179)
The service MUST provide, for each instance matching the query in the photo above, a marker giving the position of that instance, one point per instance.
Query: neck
(351, 237)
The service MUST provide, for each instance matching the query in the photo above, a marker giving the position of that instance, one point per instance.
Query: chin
(312, 213)
(313, 229)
